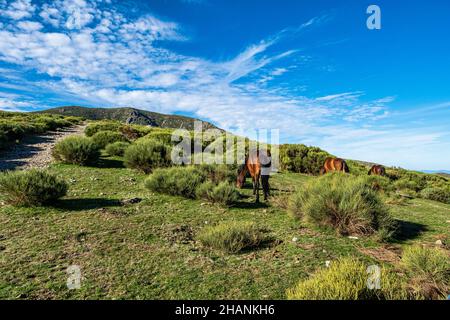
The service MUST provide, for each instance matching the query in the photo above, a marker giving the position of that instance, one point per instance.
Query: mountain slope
(130, 116)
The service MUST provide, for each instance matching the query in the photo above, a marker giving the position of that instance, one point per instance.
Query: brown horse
(253, 167)
(377, 170)
(334, 164)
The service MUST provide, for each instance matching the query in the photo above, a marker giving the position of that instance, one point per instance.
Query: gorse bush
(302, 159)
(224, 193)
(31, 188)
(133, 132)
(346, 203)
(146, 155)
(347, 279)
(177, 181)
(76, 150)
(219, 173)
(98, 126)
(103, 138)
(429, 270)
(441, 194)
(234, 237)
(117, 148)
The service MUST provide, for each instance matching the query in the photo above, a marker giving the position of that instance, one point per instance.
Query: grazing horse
(377, 170)
(254, 167)
(334, 164)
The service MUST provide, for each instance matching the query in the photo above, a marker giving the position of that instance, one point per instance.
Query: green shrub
(429, 270)
(381, 184)
(219, 173)
(103, 138)
(95, 127)
(76, 150)
(347, 279)
(31, 188)
(117, 148)
(233, 237)
(177, 181)
(344, 202)
(146, 155)
(133, 132)
(441, 194)
(224, 193)
(302, 159)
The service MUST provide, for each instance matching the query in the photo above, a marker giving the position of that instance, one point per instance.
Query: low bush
(177, 181)
(219, 173)
(95, 127)
(31, 188)
(103, 138)
(224, 193)
(117, 148)
(429, 270)
(346, 203)
(302, 159)
(233, 237)
(441, 194)
(133, 132)
(147, 155)
(347, 279)
(76, 150)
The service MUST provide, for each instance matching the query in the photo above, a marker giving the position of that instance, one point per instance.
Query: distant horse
(334, 164)
(377, 170)
(254, 167)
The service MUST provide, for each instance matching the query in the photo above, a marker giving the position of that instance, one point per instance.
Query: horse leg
(265, 186)
(257, 189)
(254, 185)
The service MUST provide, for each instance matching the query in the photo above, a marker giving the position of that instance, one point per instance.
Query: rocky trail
(35, 151)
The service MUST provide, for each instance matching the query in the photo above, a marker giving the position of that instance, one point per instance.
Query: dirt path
(35, 151)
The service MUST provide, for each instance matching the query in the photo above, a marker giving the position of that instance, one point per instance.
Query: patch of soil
(178, 233)
(36, 151)
(387, 253)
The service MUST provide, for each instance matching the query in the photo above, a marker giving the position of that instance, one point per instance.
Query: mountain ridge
(130, 115)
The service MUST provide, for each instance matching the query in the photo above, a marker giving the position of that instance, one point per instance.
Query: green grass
(135, 251)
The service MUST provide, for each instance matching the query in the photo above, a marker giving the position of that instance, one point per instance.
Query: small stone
(294, 239)
(327, 263)
(354, 238)
(206, 222)
(439, 242)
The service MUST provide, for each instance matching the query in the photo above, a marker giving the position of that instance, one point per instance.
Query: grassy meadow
(150, 249)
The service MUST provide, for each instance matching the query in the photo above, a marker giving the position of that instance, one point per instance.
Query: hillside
(130, 116)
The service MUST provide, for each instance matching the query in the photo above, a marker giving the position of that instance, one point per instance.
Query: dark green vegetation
(15, 125)
(117, 148)
(76, 150)
(147, 155)
(129, 116)
(174, 245)
(31, 188)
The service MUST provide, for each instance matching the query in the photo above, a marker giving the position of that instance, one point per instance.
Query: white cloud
(18, 9)
(30, 26)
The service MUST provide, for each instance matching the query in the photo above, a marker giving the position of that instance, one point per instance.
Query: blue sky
(311, 69)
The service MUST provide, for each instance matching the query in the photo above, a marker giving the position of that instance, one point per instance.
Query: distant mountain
(130, 116)
(443, 173)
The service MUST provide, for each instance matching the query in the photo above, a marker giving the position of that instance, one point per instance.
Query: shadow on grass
(407, 230)
(109, 163)
(86, 204)
(250, 205)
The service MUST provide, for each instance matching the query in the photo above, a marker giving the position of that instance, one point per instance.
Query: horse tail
(345, 167)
